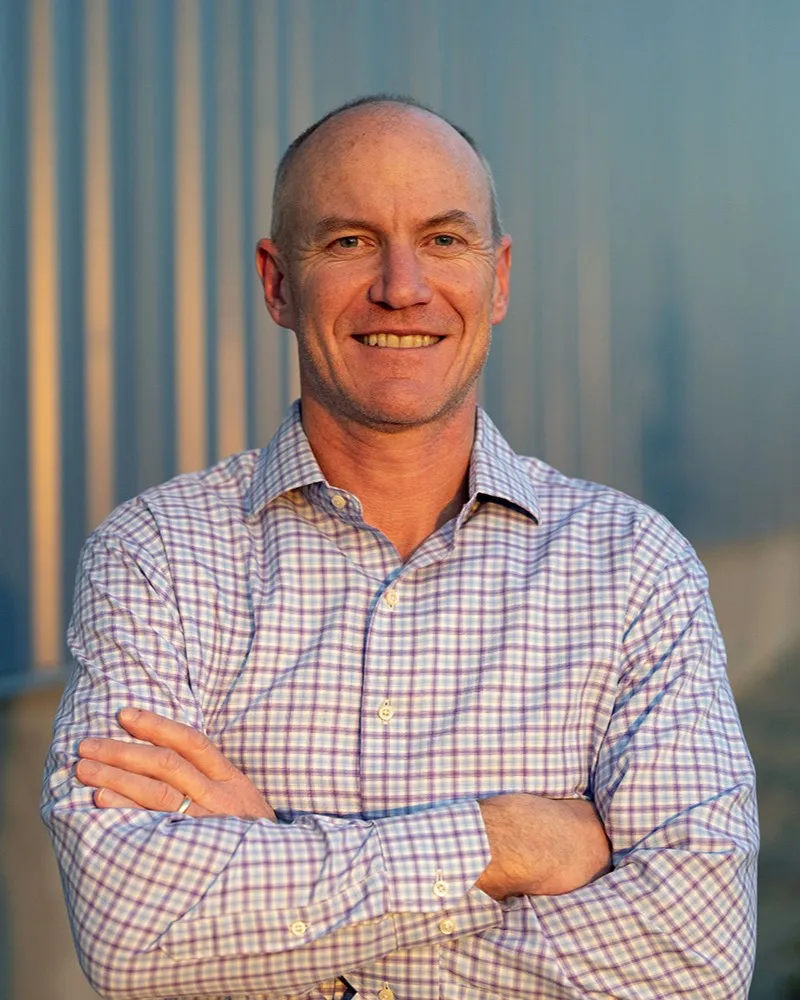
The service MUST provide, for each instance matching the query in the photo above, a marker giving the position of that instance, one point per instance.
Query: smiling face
(391, 280)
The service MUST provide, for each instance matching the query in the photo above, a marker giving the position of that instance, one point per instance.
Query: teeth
(393, 340)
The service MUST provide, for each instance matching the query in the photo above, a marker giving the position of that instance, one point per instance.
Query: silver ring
(184, 805)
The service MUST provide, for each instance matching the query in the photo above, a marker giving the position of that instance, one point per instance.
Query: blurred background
(647, 157)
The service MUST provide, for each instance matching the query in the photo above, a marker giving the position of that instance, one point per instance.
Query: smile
(395, 340)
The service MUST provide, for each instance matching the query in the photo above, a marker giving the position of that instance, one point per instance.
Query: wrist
(509, 872)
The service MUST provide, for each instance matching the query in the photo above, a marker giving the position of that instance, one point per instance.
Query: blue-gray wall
(647, 156)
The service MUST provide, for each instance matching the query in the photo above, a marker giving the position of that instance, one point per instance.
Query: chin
(399, 414)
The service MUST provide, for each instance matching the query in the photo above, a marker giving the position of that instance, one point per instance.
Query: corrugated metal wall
(647, 157)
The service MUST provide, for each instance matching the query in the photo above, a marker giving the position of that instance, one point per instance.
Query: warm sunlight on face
(392, 281)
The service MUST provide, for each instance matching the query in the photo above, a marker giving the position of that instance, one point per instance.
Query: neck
(409, 482)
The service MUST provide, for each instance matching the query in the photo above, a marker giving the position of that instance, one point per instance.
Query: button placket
(385, 651)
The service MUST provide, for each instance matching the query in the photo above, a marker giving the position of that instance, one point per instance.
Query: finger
(160, 763)
(105, 798)
(190, 743)
(166, 768)
(144, 792)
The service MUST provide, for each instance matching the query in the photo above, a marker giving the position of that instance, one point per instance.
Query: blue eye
(442, 240)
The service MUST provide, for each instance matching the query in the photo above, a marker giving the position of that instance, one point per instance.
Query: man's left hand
(179, 762)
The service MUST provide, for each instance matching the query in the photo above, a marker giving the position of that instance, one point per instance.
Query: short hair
(288, 159)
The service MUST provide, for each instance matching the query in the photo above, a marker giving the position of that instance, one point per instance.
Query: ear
(502, 280)
(277, 292)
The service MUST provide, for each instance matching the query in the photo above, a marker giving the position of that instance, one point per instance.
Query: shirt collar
(288, 463)
(496, 471)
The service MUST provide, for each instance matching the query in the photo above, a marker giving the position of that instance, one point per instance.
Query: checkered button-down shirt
(555, 637)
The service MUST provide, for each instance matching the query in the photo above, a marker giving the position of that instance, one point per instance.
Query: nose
(400, 281)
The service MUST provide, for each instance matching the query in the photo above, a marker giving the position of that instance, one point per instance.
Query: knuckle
(169, 760)
(199, 741)
(165, 797)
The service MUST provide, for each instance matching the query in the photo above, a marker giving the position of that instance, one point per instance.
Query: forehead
(392, 162)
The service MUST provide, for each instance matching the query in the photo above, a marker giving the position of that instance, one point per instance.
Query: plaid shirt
(556, 637)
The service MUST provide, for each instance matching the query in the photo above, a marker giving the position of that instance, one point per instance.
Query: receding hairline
(400, 103)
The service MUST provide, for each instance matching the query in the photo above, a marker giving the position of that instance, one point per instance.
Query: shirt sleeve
(675, 787)
(163, 905)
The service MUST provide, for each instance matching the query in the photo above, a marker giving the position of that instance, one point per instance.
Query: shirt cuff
(433, 858)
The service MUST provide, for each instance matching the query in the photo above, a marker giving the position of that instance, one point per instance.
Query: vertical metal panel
(99, 268)
(190, 318)
(297, 93)
(593, 284)
(229, 263)
(15, 530)
(125, 233)
(210, 15)
(265, 372)
(68, 35)
(44, 355)
(646, 159)
(153, 243)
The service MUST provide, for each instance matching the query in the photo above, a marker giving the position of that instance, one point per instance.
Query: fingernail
(89, 745)
(129, 714)
(99, 796)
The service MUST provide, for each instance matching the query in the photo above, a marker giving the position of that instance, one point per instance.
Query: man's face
(391, 279)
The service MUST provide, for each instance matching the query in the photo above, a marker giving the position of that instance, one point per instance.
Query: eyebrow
(337, 223)
(455, 217)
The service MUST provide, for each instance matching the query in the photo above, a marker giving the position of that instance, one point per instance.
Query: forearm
(161, 905)
(666, 923)
(674, 784)
(669, 922)
(541, 846)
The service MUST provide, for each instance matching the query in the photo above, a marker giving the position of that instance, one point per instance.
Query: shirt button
(446, 925)
(298, 928)
(386, 712)
(390, 598)
(385, 992)
(440, 888)
(338, 501)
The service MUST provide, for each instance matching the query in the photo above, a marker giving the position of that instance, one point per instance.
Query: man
(354, 699)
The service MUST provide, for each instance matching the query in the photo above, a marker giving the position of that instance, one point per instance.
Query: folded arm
(226, 899)
(674, 785)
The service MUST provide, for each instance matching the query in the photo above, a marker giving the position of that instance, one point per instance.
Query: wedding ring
(184, 805)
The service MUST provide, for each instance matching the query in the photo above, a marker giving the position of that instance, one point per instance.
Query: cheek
(470, 287)
(331, 298)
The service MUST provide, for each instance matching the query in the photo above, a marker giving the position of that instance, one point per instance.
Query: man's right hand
(542, 847)
(171, 761)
